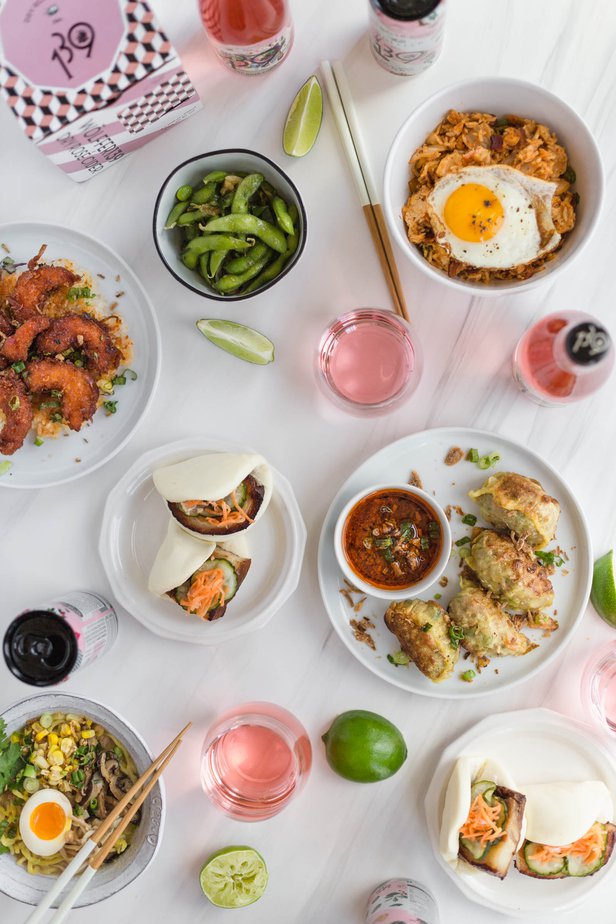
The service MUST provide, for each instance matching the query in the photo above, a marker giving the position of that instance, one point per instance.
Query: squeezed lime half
(304, 119)
(234, 877)
(239, 340)
(603, 593)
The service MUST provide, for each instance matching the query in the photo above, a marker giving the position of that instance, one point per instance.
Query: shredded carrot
(481, 824)
(222, 513)
(206, 589)
(589, 847)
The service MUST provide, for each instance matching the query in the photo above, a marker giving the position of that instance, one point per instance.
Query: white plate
(424, 452)
(54, 462)
(535, 746)
(134, 525)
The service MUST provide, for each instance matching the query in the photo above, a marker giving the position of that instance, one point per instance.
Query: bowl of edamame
(229, 224)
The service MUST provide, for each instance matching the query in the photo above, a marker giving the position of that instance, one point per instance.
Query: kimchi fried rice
(464, 139)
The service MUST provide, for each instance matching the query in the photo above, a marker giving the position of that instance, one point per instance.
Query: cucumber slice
(485, 788)
(229, 572)
(576, 865)
(475, 849)
(241, 492)
(553, 867)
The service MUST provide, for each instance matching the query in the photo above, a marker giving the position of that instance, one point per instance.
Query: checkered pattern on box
(42, 111)
(151, 107)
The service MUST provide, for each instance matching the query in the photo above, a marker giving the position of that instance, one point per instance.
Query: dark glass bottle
(406, 36)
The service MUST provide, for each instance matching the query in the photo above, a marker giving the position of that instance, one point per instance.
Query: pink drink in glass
(256, 758)
(367, 361)
(599, 687)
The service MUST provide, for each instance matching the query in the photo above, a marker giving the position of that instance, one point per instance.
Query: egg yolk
(473, 213)
(48, 820)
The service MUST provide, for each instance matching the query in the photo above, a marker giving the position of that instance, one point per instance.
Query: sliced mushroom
(110, 768)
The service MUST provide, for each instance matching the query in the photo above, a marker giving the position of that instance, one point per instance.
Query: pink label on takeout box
(90, 80)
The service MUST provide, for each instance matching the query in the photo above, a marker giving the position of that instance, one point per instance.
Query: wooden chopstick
(149, 777)
(349, 131)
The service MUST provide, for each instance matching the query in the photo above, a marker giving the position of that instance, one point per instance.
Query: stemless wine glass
(255, 759)
(368, 361)
(599, 687)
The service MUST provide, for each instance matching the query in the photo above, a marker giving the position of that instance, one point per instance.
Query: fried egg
(45, 821)
(493, 217)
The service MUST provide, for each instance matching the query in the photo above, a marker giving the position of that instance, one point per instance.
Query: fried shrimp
(79, 392)
(15, 348)
(36, 284)
(83, 333)
(16, 413)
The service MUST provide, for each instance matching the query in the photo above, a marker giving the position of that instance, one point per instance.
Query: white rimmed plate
(424, 452)
(55, 462)
(134, 525)
(535, 746)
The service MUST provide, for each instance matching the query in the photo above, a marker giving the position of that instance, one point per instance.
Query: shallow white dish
(404, 593)
(424, 452)
(500, 96)
(55, 462)
(24, 887)
(535, 746)
(134, 524)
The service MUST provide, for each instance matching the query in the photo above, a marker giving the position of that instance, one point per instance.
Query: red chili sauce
(392, 539)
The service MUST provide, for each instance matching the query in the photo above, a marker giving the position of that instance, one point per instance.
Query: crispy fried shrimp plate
(82, 333)
(16, 413)
(15, 348)
(79, 392)
(36, 284)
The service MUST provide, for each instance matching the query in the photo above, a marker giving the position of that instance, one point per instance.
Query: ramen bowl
(26, 887)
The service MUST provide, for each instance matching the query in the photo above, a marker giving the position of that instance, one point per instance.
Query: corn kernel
(56, 757)
(40, 735)
(53, 738)
(67, 745)
(88, 734)
(15, 739)
(65, 730)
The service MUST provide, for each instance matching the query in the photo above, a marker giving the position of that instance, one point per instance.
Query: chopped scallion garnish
(469, 519)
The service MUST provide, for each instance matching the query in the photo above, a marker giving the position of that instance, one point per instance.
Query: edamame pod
(241, 264)
(250, 224)
(190, 260)
(204, 263)
(216, 260)
(187, 218)
(183, 193)
(216, 176)
(174, 214)
(245, 190)
(205, 194)
(233, 281)
(282, 215)
(207, 242)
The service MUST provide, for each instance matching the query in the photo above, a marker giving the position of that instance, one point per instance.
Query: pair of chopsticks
(104, 838)
(343, 110)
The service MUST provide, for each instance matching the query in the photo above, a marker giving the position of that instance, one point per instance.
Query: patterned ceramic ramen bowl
(15, 881)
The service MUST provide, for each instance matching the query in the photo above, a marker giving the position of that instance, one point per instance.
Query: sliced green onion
(110, 406)
(46, 720)
(463, 541)
(426, 627)
(456, 634)
(14, 403)
(18, 367)
(385, 543)
(464, 552)
(93, 805)
(4, 467)
(469, 676)
(119, 379)
(437, 596)
(38, 441)
(30, 771)
(56, 418)
(473, 455)
(488, 461)
(31, 785)
(399, 658)
(550, 558)
(469, 519)
(424, 543)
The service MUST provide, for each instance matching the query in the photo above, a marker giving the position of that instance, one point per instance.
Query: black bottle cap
(587, 343)
(408, 9)
(40, 648)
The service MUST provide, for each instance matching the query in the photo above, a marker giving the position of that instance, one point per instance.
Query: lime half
(234, 877)
(241, 341)
(364, 747)
(603, 593)
(304, 119)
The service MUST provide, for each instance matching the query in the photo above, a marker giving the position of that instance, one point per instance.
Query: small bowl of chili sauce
(392, 541)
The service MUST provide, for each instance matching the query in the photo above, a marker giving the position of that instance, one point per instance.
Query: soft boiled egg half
(45, 821)
(493, 217)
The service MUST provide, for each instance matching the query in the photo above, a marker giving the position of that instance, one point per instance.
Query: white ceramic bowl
(15, 881)
(499, 95)
(191, 172)
(403, 593)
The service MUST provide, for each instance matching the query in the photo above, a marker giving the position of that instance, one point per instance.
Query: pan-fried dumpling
(488, 629)
(422, 628)
(514, 576)
(517, 503)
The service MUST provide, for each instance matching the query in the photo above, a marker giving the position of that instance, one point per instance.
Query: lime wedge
(241, 341)
(234, 877)
(304, 119)
(603, 593)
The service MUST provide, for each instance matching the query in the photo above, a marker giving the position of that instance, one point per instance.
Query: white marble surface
(338, 840)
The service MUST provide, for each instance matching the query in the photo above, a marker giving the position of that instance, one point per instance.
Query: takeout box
(89, 83)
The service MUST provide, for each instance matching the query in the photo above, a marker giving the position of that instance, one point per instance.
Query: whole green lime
(364, 747)
(603, 593)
